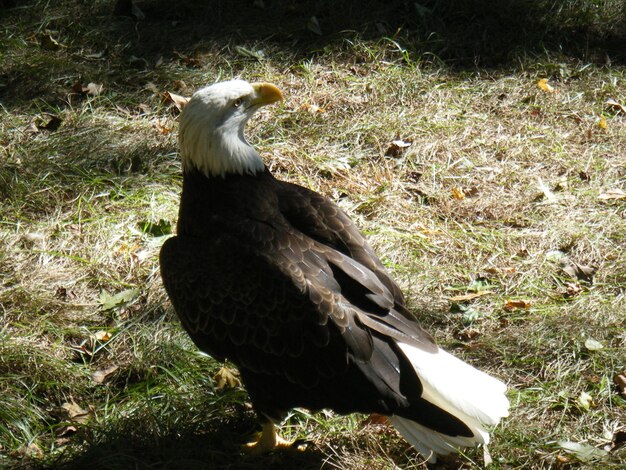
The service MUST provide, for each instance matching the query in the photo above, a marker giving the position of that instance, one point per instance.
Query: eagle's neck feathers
(218, 151)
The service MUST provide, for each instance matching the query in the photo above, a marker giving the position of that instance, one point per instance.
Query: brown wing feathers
(296, 293)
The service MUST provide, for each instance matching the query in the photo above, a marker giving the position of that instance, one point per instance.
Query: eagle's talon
(268, 440)
(227, 378)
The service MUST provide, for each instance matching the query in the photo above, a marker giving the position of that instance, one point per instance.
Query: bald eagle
(278, 280)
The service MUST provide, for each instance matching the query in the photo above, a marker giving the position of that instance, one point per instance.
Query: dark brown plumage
(277, 279)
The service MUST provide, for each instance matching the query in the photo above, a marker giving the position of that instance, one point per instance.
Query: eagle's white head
(211, 132)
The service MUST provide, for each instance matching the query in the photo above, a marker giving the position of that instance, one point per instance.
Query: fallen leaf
(397, 147)
(101, 375)
(312, 108)
(31, 128)
(110, 301)
(457, 193)
(469, 296)
(593, 345)
(572, 289)
(65, 430)
(93, 89)
(102, 335)
(71, 411)
(515, 304)
(612, 194)
(172, 98)
(615, 106)
(543, 85)
(583, 452)
(578, 271)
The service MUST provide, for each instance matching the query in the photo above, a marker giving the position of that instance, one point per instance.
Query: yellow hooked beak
(265, 93)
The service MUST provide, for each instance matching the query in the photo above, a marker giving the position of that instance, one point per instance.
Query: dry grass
(499, 190)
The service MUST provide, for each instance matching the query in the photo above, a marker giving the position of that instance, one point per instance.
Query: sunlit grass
(500, 185)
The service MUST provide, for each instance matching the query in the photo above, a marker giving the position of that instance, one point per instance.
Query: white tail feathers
(467, 393)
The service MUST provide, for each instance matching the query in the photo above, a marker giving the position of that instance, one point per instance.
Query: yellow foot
(227, 378)
(269, 440)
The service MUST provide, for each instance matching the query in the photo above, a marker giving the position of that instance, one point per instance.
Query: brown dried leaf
(578, 271)
(65, 430)
(470, 296)
(31, 128)
(72, 412)
(396, 148)
(178, 101)
(515, 304)
(616, 107)
(101, 375)
(572, 289)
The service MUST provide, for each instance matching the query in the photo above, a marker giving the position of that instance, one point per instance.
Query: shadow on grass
(219, 446)
(106, 42)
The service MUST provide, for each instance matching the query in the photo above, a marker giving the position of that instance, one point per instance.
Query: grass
(499, 190)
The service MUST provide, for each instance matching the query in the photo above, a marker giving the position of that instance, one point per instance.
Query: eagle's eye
(237, 102)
